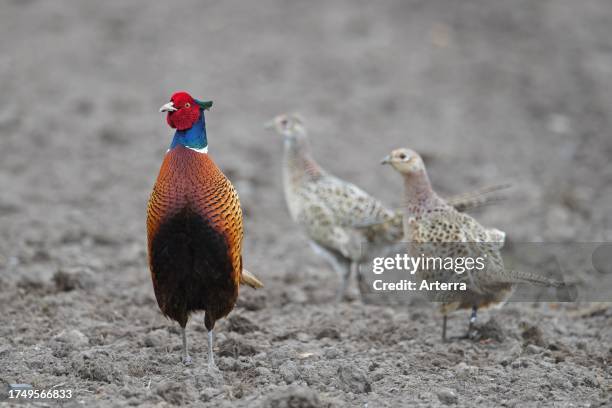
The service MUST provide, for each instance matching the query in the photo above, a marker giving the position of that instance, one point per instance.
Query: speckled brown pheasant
(434, 228)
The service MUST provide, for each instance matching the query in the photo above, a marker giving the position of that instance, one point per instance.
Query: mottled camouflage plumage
(337, 216)
(434, 228)
(324, 206)
(327, 207)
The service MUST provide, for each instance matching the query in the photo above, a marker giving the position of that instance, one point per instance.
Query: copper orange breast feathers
(191, 181)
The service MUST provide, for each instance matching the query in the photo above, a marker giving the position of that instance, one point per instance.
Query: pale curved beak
(169, 107)
(386, 159)
(269, 124)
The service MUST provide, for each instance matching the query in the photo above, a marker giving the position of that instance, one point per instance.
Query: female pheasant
(434, 228)
(338, 216)
(194, 227)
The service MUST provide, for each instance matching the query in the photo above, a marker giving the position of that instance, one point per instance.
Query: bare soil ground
(489, 91)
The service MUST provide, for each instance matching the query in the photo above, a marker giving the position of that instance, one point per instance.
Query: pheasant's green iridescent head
(405, 161)
(186, 115)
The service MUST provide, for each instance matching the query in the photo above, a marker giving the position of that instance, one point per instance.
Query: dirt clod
(447, 396)
(294, 397)
(289, 371)
(235, 346)
(328, 332)
(171, 391)
(96, 368)
(491, 330)
(67, 280)
(241, 324)
(156, 338)
(353, 379)
(532, 334)
(72, 337)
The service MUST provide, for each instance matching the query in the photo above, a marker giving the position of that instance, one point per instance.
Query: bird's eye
(402, 156)
(284, 122)
(188, 105)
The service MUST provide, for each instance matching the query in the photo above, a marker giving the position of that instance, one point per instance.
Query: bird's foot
(473, 334)
(187, 360)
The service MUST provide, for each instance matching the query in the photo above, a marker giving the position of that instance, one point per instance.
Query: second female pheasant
(194, 227)
(435, 229)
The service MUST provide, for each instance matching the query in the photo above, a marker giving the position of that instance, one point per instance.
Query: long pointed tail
(247, 278)
(566, 292)
(513, 276)
(477, 198)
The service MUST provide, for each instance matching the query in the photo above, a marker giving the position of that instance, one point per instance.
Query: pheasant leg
(361, 282)
(345, 275)
(444, 340)
(186, 356)
(471, 328)
(211, 356)
(472, 332)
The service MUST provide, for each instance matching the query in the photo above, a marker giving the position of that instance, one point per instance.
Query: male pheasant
(435, 229)
(336, 215)
(194, 227)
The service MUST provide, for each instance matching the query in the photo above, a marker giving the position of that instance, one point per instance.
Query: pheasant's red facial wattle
(187, 111)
